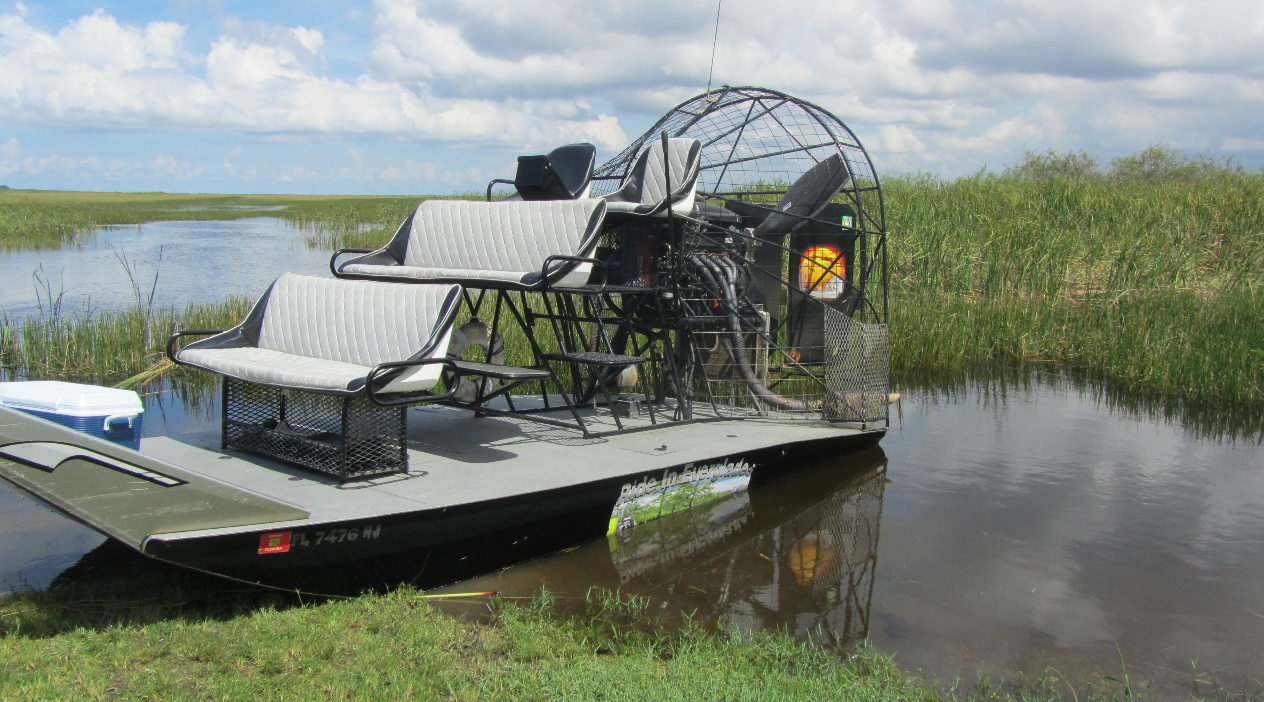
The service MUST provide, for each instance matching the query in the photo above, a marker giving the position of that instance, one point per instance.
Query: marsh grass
(1080, 238)
(1201, 347)
(358, 223)
(154, 631)
(1146, 275)
(41, 219)
(106, 346)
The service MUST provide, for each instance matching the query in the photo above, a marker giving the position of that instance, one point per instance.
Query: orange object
(809, 558)
(823, 272)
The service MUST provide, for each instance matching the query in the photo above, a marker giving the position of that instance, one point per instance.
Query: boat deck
(185, 500)
(456, 458)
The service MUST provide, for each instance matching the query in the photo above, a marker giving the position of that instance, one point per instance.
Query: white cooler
(106, 413)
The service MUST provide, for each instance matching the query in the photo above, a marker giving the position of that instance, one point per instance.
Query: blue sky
(431, 96)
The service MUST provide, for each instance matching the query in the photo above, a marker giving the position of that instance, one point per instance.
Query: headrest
(563, 174)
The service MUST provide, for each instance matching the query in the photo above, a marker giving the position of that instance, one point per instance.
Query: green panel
(119, 492)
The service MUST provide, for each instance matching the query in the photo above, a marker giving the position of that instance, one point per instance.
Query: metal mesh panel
(850, 520)
(344, 437)
(856, 369)
(755, 143)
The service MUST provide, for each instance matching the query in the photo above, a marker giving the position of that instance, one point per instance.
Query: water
(1021, 530)
(1006, 530)
(200, 262)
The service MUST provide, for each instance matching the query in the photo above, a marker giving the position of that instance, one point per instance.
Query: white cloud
(96, 72)
(898, 139)
(1237, 144)
(164, 165)
(10, 148)
(936, 82)
(311, 39)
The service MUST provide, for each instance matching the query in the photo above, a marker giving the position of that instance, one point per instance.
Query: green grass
(1195, 346)
(152, 631)
(1147, 274)
(106, 346)
(1095, 238)
(38, 219)
(397, 646)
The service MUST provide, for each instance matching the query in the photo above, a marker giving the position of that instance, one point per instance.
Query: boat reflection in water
(798, 554)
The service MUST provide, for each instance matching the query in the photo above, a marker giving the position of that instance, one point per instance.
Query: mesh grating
(856, 369)
(755, 143)
(347, 437)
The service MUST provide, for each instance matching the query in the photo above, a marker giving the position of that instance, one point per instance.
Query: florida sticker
(274, 542)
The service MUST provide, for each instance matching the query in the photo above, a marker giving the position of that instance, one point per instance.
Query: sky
(437, 96)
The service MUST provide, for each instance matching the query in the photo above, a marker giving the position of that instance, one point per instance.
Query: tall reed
(1000, 237)
(1147, 273)
(106, 346)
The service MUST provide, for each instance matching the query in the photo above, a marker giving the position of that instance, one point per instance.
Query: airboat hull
(184, 500)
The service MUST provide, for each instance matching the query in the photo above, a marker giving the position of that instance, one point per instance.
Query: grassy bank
(1146, 273)
(398, 646)
(107, 346)
(121, 626)
(36, 219)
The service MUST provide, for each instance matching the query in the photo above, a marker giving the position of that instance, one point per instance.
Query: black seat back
(809, 194)
(563, 174)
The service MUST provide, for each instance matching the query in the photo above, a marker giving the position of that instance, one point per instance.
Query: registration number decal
(282, 541)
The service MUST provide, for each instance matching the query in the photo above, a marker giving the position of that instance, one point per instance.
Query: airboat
(620, 342)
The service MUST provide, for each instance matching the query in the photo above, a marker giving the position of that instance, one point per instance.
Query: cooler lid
(69, 398)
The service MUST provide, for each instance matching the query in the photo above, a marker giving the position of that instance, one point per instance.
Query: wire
(711, 72)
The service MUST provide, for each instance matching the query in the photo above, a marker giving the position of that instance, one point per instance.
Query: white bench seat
(497, 245)
(326, 335)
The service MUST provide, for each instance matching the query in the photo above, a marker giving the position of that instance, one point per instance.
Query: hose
(723, 274)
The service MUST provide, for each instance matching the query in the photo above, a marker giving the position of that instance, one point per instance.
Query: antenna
(711, 72)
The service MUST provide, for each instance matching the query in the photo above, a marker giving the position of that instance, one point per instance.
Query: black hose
(724, 275)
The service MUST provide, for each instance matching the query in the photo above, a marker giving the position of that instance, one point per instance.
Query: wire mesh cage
(756, 144)
(787, 234)
(346, 437)
(857, 369)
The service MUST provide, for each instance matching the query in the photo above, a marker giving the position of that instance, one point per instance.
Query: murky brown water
(1012, 531)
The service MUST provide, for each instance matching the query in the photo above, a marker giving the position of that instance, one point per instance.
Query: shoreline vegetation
(1141, 278)
(50, 219)
(1146, 273)
(155, 631)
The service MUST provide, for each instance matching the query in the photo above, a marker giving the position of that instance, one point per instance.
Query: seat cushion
(436, 274)
(355, 322)
(487, 244)
(326, 335)
(470, 278)
(270, 367)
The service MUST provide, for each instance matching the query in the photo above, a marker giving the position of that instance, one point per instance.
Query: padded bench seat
(325, 335)
(497, 245)
(320, 371)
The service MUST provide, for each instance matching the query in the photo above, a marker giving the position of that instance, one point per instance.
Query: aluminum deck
(456, 459)
(467, 475)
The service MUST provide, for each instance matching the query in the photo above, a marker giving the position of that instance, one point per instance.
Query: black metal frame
(600, 328)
